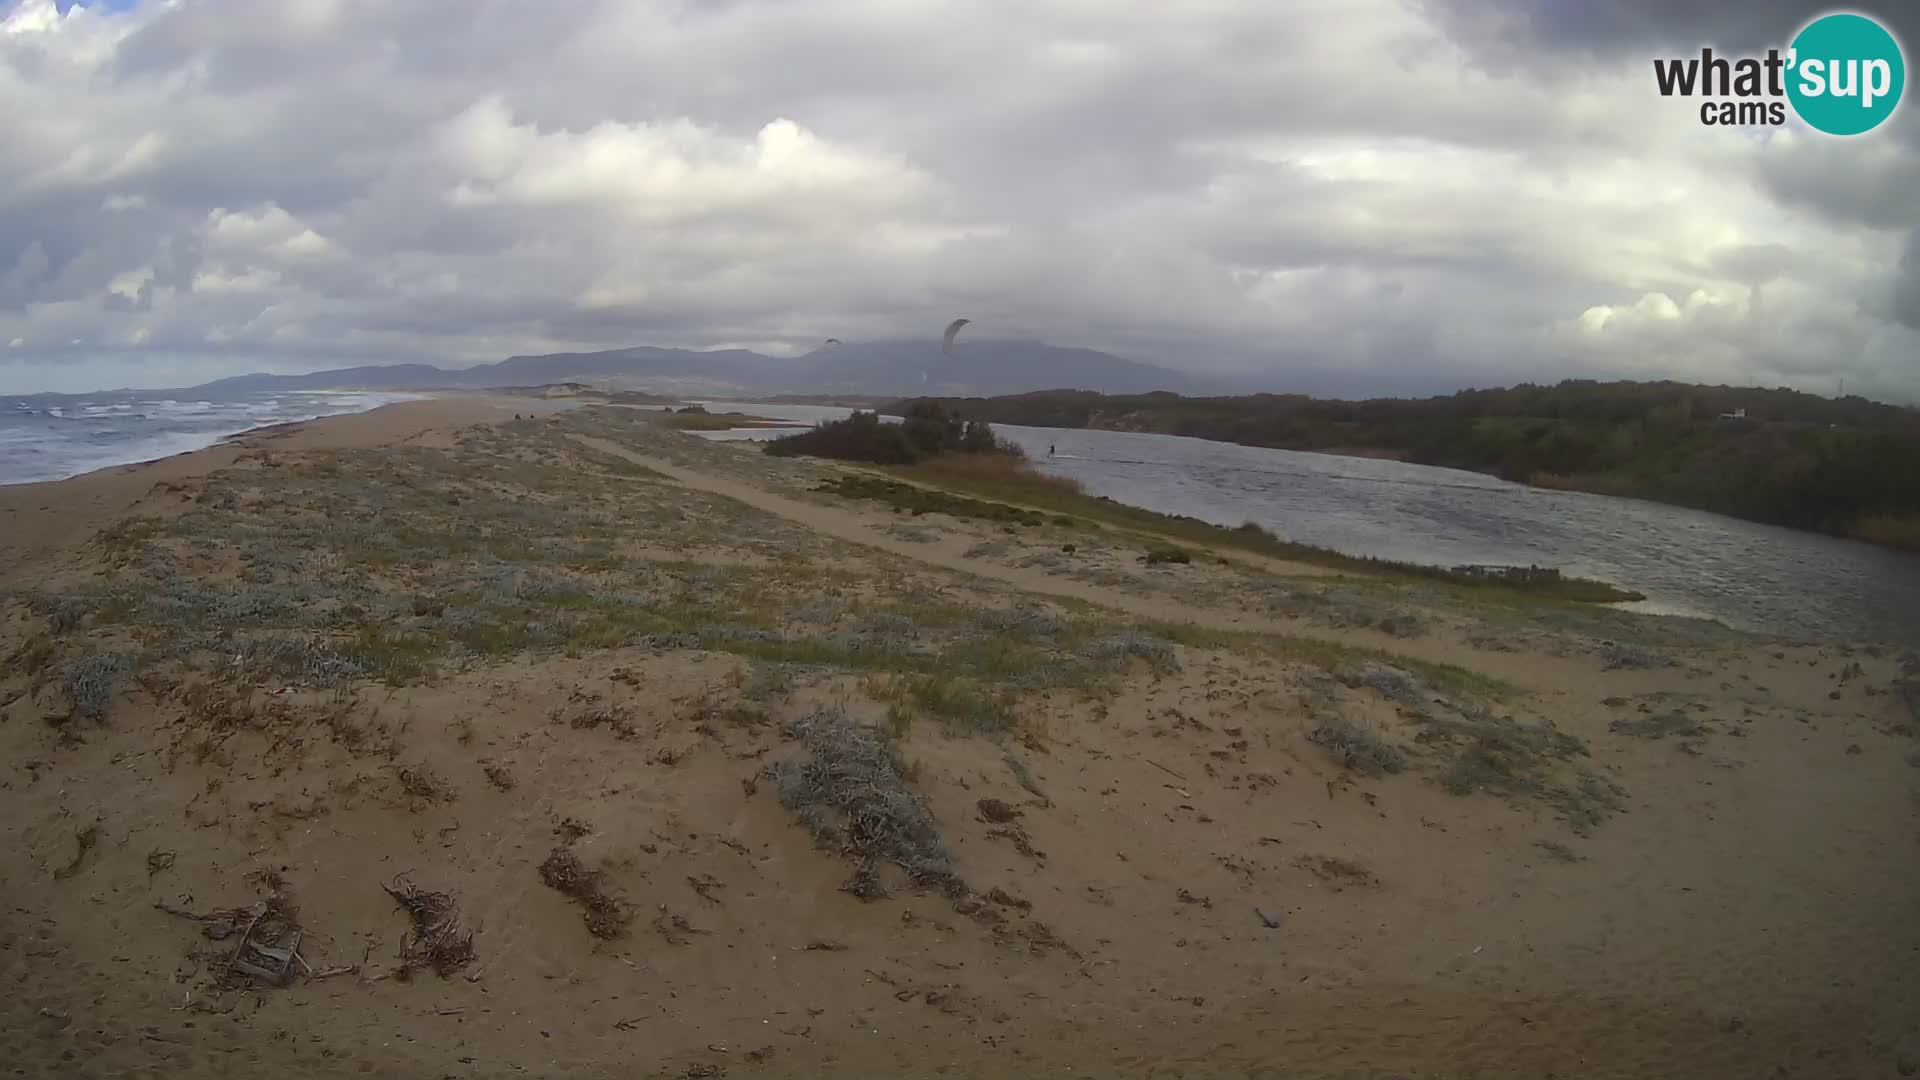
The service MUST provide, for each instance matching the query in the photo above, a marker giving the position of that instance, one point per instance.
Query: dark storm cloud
(1548, 32)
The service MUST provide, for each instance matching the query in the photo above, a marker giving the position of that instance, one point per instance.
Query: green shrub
(1166, 553)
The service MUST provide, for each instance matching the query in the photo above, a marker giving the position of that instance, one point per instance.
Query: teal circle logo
(1845, 74)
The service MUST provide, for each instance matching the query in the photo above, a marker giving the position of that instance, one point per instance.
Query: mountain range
(978, 368)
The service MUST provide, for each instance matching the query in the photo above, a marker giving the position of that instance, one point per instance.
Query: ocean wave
(38, 445)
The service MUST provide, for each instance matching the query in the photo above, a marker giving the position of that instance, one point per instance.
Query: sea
(46, 437)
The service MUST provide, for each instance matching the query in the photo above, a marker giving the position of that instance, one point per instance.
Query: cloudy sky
(1375, 195)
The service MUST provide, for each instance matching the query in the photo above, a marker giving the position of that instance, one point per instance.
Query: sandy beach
(434, 742)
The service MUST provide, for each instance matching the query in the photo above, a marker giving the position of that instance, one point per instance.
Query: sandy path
(1532, 671)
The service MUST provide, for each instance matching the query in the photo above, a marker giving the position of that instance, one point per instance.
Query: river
(1749, 576)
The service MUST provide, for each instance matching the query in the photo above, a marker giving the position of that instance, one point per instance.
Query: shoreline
(213, 440)
(39, 515)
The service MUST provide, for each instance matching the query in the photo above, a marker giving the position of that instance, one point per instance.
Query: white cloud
(1364, 186)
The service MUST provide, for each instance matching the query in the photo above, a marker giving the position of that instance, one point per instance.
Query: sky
(1401, 195)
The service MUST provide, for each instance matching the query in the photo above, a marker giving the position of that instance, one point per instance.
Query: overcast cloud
(1411, 193)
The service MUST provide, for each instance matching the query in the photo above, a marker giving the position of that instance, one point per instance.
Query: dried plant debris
(1021, 842)
(499, 776)
(705, 884)
(853, 795)
(84, 842)
(606, 915)
(267, 952)
(996, 811)
(674, 928)
(437, 941)
(1337, 871)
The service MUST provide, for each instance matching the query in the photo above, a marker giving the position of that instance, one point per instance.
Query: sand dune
(724, 775)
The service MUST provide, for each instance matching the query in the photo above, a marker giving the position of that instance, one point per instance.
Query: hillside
(984, 366)
(1846, 466)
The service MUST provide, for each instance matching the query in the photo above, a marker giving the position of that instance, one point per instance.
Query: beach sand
(583, 684)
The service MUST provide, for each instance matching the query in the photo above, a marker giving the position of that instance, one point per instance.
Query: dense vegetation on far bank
(924, 431)
(1846, 466)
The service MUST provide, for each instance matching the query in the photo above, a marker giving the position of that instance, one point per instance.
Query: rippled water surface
(52, 439)
(1688, 562)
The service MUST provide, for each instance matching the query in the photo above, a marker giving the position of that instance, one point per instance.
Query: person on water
(1049, 449)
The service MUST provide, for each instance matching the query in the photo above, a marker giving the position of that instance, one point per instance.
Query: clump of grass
(1023, 622)
(1166, 553)
(1558, 851)
(89, 682)
(124, 538)
(1389, 682)
(1616, 657)
(1658, 725)
(1358, 749)
(66, 611)
(768, 682)
(1133, 645)
(1504, 757)
(314, 661)
(961, 704)
(910, 498)
(853, 795)
(605, 914)
(1002, 476)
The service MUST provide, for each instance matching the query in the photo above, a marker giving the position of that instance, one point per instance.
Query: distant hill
(874, 368)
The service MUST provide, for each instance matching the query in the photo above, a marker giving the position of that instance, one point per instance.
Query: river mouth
(1761, 579)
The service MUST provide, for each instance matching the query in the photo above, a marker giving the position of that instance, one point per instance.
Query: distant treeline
(1848, 465)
